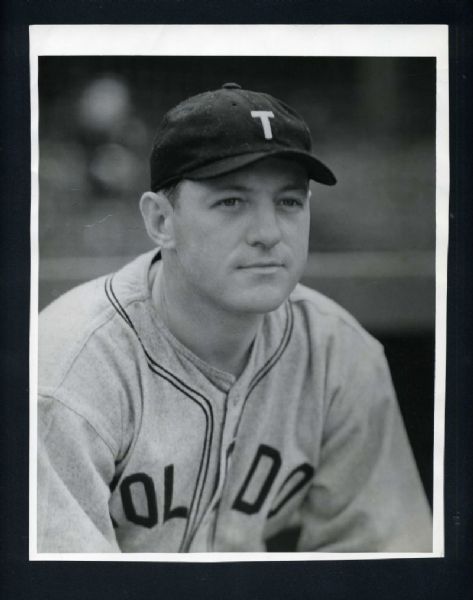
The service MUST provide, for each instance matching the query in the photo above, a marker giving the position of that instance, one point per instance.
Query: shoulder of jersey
(331, 315)
(68, 322)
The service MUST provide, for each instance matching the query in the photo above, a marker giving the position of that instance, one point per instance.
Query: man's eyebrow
(232, 187)
(295, 187)
(241, 187)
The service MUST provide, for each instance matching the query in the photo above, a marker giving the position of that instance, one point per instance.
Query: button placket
(233, 406)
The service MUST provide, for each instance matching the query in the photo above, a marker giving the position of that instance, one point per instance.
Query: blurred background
(372, 235)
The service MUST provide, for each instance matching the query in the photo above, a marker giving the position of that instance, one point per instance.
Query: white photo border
(260, 40)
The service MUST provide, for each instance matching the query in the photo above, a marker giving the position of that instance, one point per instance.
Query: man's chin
(262, 302)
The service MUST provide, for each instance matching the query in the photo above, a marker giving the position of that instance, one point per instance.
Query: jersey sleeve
(75, 468)
(366, 494)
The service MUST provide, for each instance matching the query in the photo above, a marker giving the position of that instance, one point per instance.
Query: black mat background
(433, 578)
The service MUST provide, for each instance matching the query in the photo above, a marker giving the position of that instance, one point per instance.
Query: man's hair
(171, 192)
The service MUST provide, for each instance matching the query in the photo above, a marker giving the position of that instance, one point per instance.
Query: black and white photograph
(238, 298)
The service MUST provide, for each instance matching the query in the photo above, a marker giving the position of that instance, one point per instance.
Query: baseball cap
(223, 130)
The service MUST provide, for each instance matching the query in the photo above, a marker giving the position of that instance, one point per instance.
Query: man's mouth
(268, 266)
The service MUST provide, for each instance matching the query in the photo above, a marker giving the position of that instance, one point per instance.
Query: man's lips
(262, 265)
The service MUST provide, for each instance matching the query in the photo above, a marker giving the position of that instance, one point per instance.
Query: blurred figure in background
(113, 133)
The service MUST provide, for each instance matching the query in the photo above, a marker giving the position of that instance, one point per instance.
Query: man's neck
(218, 337)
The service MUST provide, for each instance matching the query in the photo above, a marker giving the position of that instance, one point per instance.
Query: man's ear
(157, 214)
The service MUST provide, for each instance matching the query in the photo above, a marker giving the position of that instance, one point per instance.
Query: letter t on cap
(264, 116)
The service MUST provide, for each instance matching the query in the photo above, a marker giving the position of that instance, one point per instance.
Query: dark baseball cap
(220, 131)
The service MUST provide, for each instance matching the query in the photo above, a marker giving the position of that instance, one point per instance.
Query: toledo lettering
(259, 480)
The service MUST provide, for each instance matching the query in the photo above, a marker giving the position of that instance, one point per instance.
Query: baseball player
(200, 399)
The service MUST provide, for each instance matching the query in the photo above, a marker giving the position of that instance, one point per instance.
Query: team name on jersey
(256, 487)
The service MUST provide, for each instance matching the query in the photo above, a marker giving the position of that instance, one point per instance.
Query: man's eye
(229, 202)
(291, 202)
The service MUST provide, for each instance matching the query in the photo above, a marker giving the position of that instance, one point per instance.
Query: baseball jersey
(143, 447)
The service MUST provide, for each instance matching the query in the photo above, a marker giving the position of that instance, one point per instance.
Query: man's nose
(264, 228)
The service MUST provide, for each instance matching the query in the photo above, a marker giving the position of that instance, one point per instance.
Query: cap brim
(315, 168)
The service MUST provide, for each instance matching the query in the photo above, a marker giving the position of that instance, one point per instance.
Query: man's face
(241, 239)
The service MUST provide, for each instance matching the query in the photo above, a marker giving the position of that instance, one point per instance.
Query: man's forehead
(275, 172)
